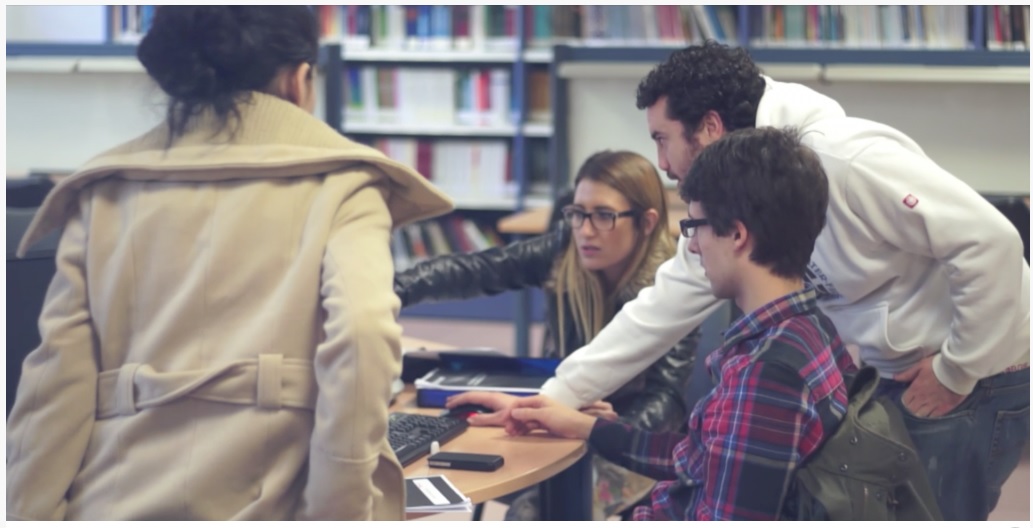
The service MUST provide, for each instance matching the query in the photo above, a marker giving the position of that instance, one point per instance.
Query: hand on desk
(501, 403)
(542, 412)
(522, 415)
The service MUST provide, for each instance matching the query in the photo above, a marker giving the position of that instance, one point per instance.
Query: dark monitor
(27, 282)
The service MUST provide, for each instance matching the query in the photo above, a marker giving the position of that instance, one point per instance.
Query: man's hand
(926, 397)
(544, 413)
(499, 402)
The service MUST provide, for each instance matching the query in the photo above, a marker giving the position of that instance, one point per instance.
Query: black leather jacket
(654, 400)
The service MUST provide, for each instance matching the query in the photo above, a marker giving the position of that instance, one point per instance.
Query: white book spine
(500, 96)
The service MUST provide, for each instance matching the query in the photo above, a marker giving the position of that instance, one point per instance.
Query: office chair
(27, 193)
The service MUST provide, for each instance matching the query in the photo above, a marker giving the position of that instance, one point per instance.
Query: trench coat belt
(268, 382)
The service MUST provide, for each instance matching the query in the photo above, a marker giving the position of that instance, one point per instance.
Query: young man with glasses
(780, 389)
(917, 270)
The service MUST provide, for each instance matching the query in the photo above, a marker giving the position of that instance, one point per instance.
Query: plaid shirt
(779, 393)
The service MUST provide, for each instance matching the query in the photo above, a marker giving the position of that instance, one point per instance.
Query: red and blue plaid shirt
(779, 393)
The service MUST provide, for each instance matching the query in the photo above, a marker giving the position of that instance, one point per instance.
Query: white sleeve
(979, 250)
(642, 331)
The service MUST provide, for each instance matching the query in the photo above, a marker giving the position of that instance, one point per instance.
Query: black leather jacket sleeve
(655, 400)
(516, 266)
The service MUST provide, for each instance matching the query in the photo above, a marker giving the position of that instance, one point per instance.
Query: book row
(404, 95)
(440, 96)
(449, 234)
(463, 169)
(1007, 27)
(419, 27)
(471, 27)
(862, 26)
(462, 27)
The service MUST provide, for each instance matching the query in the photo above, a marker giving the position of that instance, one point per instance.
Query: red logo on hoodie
(910, 201)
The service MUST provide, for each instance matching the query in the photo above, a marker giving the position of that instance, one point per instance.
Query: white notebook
(434, 494)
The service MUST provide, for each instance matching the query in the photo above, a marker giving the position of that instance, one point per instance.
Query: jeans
(970, 452)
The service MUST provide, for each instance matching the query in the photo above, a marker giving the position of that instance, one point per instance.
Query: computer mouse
(466, 410)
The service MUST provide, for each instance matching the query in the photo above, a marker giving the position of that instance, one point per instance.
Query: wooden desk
(529, 222)
(529, 460)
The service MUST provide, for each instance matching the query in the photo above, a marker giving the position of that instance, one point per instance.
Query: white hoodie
(912, 261)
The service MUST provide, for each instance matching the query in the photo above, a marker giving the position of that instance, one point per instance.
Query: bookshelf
(557, 47)
(114, 53)
(956, 48)
(454, 91)
(33, 57)
(458, 77)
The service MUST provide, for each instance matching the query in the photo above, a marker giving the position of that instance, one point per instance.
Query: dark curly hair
(215, 56)
(766, 179)
(711, 76)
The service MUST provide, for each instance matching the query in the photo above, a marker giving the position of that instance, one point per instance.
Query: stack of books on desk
(458, 373)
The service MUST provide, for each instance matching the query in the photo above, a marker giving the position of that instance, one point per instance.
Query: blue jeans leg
(970, 452)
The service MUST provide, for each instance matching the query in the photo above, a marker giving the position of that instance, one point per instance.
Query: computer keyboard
(410, 435)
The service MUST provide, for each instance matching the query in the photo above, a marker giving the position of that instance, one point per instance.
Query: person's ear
(740, 235)
(300, 89)
(649, 221)
(712, 126)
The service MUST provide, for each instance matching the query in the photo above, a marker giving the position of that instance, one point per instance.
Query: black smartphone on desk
(465, 461)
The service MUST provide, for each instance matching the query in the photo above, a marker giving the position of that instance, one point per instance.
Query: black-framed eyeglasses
(601, 220)
(689, 225)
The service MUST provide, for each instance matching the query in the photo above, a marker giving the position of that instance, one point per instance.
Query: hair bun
(196, 52)
(212, 57)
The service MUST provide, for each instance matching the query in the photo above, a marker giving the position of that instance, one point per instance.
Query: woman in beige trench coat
(220, 337)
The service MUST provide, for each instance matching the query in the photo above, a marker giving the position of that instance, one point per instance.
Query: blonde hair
(637, 180)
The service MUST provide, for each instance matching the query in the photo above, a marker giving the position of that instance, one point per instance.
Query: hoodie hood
(788, 104)
(273, 139)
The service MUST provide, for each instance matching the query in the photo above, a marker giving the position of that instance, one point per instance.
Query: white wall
(61, 120)
(979, 132)
(58, 121)
(79, 24)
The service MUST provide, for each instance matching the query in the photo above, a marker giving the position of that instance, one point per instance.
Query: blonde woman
(613, 237)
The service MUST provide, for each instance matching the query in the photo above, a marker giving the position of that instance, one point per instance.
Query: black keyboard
(410, 435)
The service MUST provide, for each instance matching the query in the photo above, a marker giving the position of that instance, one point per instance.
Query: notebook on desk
(416, 363)
(461, 372)
(433, 494)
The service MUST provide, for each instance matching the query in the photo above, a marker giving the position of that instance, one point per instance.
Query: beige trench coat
(220, 337)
